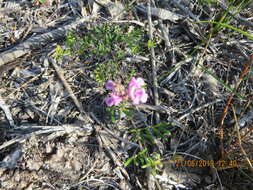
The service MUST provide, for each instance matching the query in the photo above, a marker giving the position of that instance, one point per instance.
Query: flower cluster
(135, 92)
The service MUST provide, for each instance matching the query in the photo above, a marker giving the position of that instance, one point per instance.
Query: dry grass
(56, 132)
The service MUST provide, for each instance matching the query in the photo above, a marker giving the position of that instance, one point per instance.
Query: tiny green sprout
(71, 39)
(59, 52)
(151, 43)
(120, 55)
(154, 162)
(42, 1)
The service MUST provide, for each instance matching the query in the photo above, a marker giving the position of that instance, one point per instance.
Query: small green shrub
(106, 45)
(144, 160)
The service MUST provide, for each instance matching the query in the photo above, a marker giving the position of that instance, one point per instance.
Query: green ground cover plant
(147, 137)
(106, 44)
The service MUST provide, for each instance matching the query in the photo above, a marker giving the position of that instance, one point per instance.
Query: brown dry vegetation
(55, 131)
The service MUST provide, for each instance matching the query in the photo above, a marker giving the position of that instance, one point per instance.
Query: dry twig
(240, 142)
(154, 66)
(68, 88)
(7, 111)
(186, 11)
(37, 41)
(44, 130)
(244, 72)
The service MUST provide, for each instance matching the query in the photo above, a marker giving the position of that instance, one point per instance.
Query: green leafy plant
(111, 39)
(148, 134)
(71, 39)
(60, 52)
(143, 160)
(107, 45)
(138, 159)
(117, 112)
(154, 162)
(106, 71)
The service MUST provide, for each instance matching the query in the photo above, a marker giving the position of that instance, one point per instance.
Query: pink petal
(117, 99)
(143, 96)
(135, 91)
(132, 82)
(109, 85)
(138, 96)
(136, 100)
(139, 92)
(131, 91)
(138, 83)
(109, 101)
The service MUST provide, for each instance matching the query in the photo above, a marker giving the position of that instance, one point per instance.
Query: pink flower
(113, 100)
(137, 95)
(109, 85)
(138, 83)
(135, 92)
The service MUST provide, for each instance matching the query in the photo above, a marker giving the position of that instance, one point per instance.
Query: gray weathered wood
(38, 41)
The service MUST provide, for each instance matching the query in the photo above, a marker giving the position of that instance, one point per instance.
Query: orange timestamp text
(206, 163)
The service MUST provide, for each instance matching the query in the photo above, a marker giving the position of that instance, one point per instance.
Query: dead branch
(37, 41)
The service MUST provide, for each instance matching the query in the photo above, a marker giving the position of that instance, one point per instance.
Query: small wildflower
(135, 92)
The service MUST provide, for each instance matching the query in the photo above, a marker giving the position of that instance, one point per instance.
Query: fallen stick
(68, 128)
(153, 64)
(38, 41)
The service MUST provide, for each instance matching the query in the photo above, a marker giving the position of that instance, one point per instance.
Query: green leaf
(129, 160)
(138, 159)
(71, 39)
(148, 138)
(151, 44)
(42, 1)
(157, 132)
